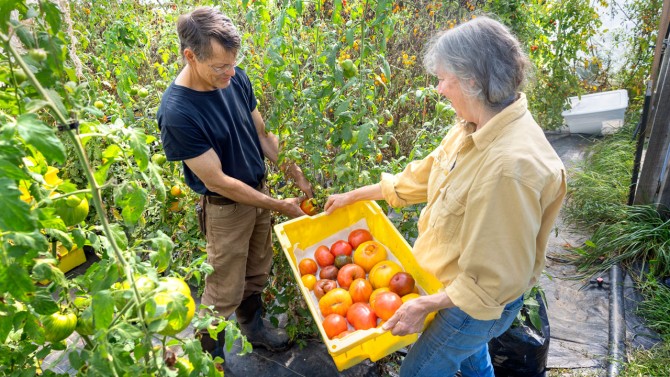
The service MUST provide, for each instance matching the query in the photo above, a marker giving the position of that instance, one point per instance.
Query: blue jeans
(455, 341)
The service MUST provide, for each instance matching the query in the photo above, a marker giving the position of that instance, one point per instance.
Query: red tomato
(336, 301)
(323, 256)
(385, 305)
(341, 247)
(307, 266)
(348, 273)
(358, 236)
(361, 316)
(360, 290)
(334, 324)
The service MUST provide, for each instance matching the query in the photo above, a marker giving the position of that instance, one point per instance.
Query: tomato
(324, 286)
(176, 191)
(72, 210)
(358, 236)
(402, 283)
(142, 92)
(19, 75)
(309, 207)
(386, 304)
(309, 281)
(342, 260)
(174, 292)
(334, 324)
(323, 256)
(341, 247)
(58, 326)
(348, 68)
(307, 266)
(342, 334)
(376, 293)
(329, 272)
(173, 206)
(360, 290)
(38, 54)
(361, 316)
(382, 272)
(368, 254)
(336, 301)
(159, 159)
(348, 273)
(99, 105)
(410, 296)
(85, 322)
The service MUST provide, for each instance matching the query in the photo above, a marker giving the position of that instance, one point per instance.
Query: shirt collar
(495, 126)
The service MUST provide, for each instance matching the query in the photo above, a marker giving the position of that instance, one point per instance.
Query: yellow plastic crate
(67, 260)
(306, 233)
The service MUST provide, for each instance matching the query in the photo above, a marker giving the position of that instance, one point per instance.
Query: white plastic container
(596, 113)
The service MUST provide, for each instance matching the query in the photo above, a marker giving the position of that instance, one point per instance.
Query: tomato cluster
(357, 287)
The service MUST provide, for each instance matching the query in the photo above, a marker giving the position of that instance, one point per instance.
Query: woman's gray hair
(485, 57)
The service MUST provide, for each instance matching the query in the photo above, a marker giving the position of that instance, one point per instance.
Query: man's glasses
(226, 67)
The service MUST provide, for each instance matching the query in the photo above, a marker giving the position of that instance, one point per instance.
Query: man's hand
(299, 178)
(291, 207)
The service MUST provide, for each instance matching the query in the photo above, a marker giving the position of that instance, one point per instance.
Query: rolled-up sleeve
(409, 186)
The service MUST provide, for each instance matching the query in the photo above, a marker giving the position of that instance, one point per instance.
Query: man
(208, 119)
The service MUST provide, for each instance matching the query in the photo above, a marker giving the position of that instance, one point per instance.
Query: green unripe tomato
(143, 92)
(38, 54)
(58, 326)
(99, 104)
(159, 159)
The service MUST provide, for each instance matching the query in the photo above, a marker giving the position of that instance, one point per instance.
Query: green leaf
(48, 219)
(103, 309)
(23, 246)
(138, 142)
(45, 269)
(43, 137)
(15, 214)
(5, 323)
(132, 202)
(61, 236)
(14, 280)
(52, 15)
(43, 303)
(6, 8)
(119, 236)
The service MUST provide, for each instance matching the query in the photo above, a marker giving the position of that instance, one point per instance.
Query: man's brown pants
(239, 247)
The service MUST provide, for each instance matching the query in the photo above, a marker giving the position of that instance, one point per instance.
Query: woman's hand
(336, 201)
(408, 319)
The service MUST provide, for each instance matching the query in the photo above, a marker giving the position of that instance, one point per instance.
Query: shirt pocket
(448, 218)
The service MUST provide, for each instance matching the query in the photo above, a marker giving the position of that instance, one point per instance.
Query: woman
(492, 189)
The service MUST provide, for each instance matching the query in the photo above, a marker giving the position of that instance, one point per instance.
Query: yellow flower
(25, 194)
(51, 177)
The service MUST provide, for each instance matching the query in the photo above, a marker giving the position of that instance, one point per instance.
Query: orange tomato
(336, 301)
(361, 316)
(334, 324)
(385, 305)
(368, 254)
(307, 266)
(376, 292)
(360, 290)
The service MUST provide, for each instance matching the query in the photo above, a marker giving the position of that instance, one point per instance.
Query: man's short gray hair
(485, 57)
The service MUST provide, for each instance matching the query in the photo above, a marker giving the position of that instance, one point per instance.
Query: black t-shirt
(191, 122)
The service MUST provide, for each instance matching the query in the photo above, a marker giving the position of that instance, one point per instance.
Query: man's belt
(219, 200)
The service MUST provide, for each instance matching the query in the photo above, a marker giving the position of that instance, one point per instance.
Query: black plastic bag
(523, 349)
